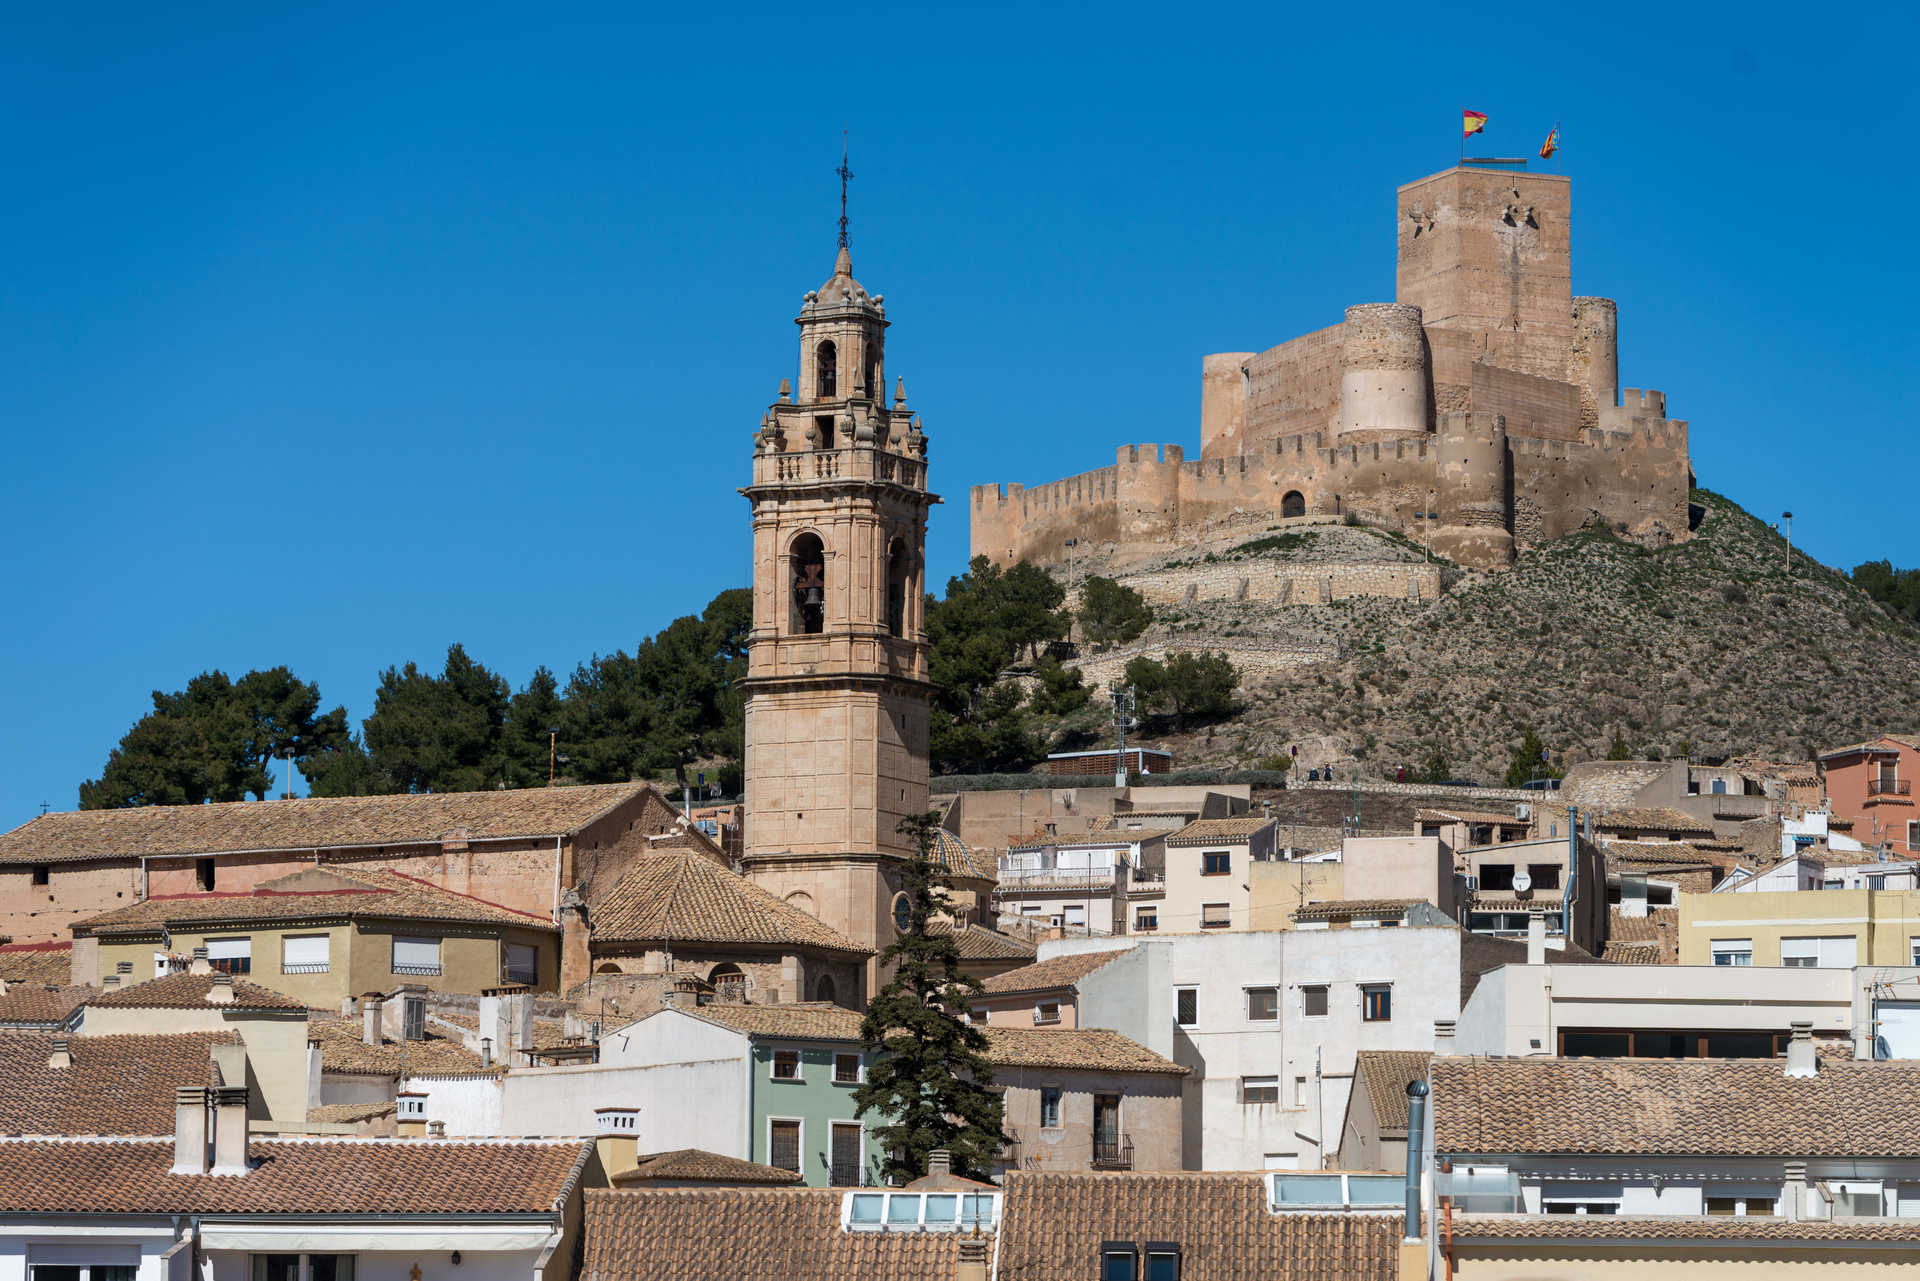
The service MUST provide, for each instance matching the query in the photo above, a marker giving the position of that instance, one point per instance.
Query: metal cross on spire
(845, 173)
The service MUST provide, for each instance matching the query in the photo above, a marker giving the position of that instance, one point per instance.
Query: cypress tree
(929, 1072)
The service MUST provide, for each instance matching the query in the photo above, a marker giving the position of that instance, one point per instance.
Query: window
(1256, 1090)
(1074, 915)
(304, 954)
(234, 955)
(902, 914)
(1913, 950)
(415, 955)
(1855, 1199)
(826, 360)
(728, 980)
(1913, 837)
(807, 567)
(1545, 876)
(932, 1211)
(1820, 953)
(42, 873)
(523, 964)
(899, 571)
(1760, 1207)
(1216, 863)
(1299, 1091)
(846, 1069)
(1046, 1012)
(1163, 1262)
(844, 1157)
(1263, 1004)
(786, 1065)
(1732, 951)
(1117, 1264)
(1186, 1006)
(1580, 1207)
(1146, 920)
(1049, 1107)
(413, 1019)
(1313, 1000)
(1376, 1002)
(1496, 876)
(203, 873)
(286, 1267)
(825, 992)
(783, 1145)
(1216, 916)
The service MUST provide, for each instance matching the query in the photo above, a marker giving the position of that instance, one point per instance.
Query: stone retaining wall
(1254, 659)
(1285, 583)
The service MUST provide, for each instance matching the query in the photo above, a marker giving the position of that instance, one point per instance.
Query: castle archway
(1293, 503)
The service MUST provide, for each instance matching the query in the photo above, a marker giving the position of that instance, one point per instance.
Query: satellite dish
(1522, 882)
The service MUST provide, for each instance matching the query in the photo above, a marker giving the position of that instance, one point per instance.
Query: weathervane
(845, 173)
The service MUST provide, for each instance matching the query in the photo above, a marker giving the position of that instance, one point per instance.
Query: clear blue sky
(332, 336)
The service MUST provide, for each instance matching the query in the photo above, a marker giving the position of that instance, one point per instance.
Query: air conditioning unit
(1523, 811)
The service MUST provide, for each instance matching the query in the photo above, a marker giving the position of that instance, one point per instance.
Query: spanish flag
(1552, 144)
(1472, 122)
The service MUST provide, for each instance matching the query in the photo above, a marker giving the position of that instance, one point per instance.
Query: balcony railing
(424, 970)
(1110, 1153)
(847, 1174)
(304, 967)
(1889, 786)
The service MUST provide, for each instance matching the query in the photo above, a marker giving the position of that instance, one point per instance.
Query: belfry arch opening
(1293, 503)
(807, 586)
(899, 583)
(826, 373)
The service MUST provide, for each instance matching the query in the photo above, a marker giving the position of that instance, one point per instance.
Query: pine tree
(1618, 749)
(929, 1070)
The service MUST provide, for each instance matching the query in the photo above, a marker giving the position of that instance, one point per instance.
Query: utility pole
(1786, 533)
(553, 739)
(1122, 717)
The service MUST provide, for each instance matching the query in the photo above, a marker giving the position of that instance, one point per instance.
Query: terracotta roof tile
(1659, 818)
(41, 1004)
(1641, 929)
(315, 894)
(678, 896)
(37, 962)
(1680, 1227)
(1631, 954)
(692, 1165)
(189, 992)
(315, 1176)
(800, 1021)
(1091, 1048)
(1220, 830)
(792, 1234)
(1371, 908)
(1385, 1073)
(1604, 784)
(1053, 1225)
(1674, 1107)
(961, 861)
(115, 1084)
(312, 823)
(342, 1050)
(977, 943)
(1871, 744)
(350, 1113)
(1495, 817)
(1056, 971)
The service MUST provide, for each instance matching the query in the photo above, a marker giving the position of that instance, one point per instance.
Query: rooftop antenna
(845, 174)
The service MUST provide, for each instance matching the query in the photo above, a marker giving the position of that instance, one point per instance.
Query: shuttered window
(304, 954)
(785, 1154)
(523, 964)
(415, 955)
(234, 955)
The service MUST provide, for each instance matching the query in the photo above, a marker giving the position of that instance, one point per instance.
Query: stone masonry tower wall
(1595, 363)
(1472, 470)
(1383, 379)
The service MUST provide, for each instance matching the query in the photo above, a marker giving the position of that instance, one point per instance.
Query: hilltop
(1711, 646)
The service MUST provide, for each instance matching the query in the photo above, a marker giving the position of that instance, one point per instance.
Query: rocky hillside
(1712, 647)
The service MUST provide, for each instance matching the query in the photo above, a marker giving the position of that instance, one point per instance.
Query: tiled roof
(307, 1177)
(1208, 831)
(1053, 1226)
(1631, 954)
(978, 943)
(1372, 908)
(310, 895)
(312, 823)
(675, 895)
(1494, 817)
(1662, 853)
(961, 861)
(1903, 740)
(41, 1004)
(1680, 1227)
(1641, 929)
(189, 992)
(115, 1084)
(1674, 1107)
(1659, 818)
(342, 1050)
(1385, 1073)
(691, 1165)
(753, 1234)
(1044, 884)
(1056, 971)
(799, 1021)
(1094, 1049)
(350, 1113)
(1603, 784)
(37, 962)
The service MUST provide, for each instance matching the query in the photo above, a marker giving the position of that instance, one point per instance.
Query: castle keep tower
(836, 692)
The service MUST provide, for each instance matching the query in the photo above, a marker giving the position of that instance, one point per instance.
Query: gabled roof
(330, 1177)
(1365, 908)
(343, 1050)
(315, 893)
(312, 823)
(42, 1004)
(692, 1165)
(798, 1021)
(1056, 971)
(1617, 953)
(1872, 744)
(978, 943)
(788, 1234)
(114, 1085)
(679, 896)
(1658, 818)
(1385, 1075)
(1674, 1107)
(1215, 831)
(37, 962)
(190, 992)
(1494, 817)
(1054, 1225)
(1091, 1049)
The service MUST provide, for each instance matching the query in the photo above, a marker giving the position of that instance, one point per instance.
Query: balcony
(1112, 1153)
(1889, 787)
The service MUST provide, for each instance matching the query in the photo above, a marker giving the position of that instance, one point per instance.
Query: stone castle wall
(1287, 583)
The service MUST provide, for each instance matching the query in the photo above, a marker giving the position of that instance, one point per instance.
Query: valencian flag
(1552, 144)
(1472, 122)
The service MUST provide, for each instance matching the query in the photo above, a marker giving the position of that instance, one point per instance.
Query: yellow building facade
(1820, 928)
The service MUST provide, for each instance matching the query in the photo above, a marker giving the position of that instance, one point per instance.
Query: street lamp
(1786, 532)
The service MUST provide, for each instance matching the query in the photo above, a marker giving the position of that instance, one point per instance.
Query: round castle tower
(1384, 385)
(1595, 362)
(1471, 463)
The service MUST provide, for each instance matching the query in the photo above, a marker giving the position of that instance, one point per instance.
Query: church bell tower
(837, 695)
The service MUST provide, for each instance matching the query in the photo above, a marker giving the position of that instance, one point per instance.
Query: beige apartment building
(1818, 928)
(1209, 875)
(1372, 869)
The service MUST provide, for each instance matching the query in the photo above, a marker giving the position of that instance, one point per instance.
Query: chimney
(1800, 1055)
(370, 1018)
(1795, 1190)
(681, 994)
(972, 1264)
(1416, 1159)
(230, 1129)
(939, 1164)
(124, 967)
(1536, 938)
(221, 993)
(190, 1129)
(436, 1129)
(616, 1136)
(486, 1051)
(110, 982)
(200, 964)
(61, 1057)
(1443, 1035)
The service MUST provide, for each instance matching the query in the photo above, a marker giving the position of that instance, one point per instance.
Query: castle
(1477, 414)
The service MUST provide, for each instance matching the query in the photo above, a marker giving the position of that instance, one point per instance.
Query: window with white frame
(305, 954)
(783, 1144)
(786, 1065)
(1216, 916)
(107, 1261)
(1263, 1004)
(1049, 1107)
(1313, 1000)
(1074, 915)
(1759, 1207)
(1731, 951)
(878, 1211)
(1186, 1006)
(846, 1069)
(1913, 950)
(1827, 953)
(286, 1267)
(1568, 1206)
(413, 954)
(1857, 1198)
(1046, 1012)
(1299, 1091)
(233, 955)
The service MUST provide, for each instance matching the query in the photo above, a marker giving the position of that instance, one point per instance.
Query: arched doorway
(729, 981)
(1293, 503)
(824, 990)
